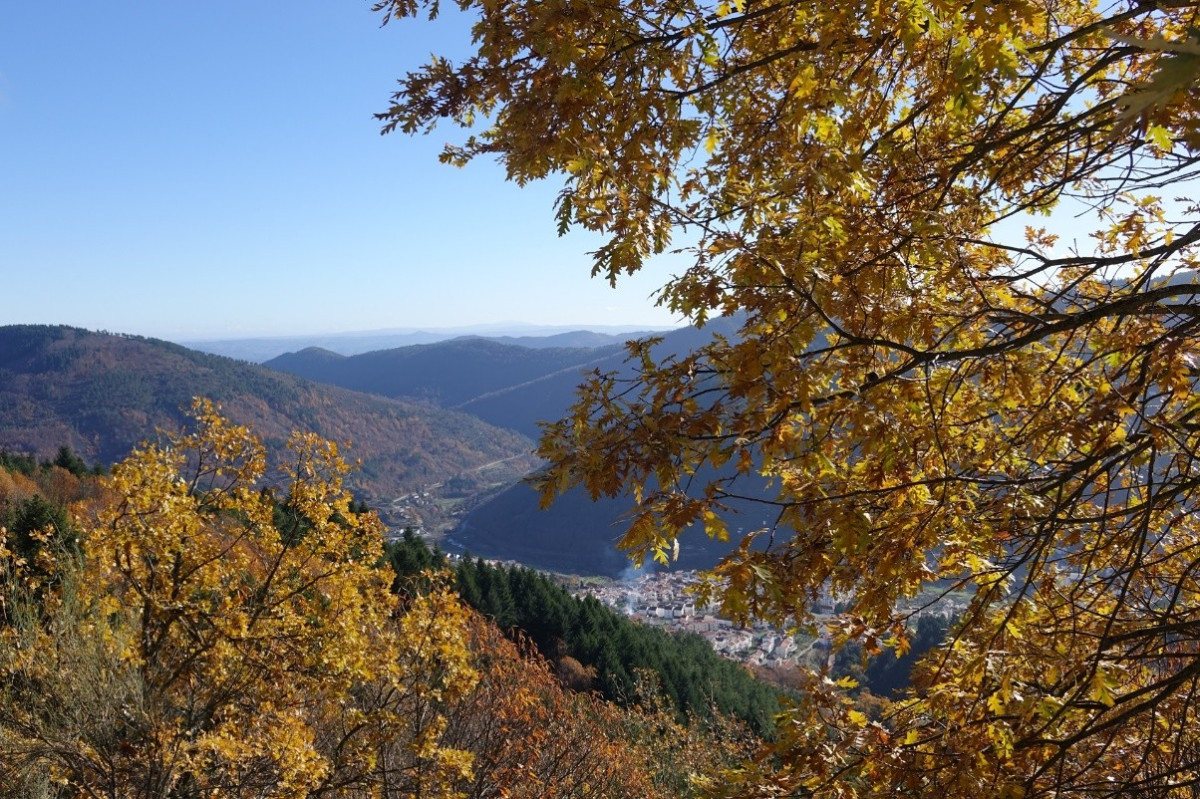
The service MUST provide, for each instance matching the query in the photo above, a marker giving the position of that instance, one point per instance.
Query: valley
(436, 509)
(442, 433)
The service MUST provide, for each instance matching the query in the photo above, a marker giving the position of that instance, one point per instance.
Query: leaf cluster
(192, 645)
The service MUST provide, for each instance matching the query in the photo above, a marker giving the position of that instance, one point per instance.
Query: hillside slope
(577, 535)
(102, 394)
(504, 384)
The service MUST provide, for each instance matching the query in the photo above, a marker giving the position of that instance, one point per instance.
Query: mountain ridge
(468, 373)
(101, 394)
(263, 348)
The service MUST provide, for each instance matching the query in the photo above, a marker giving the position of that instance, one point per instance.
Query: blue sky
(212, 169)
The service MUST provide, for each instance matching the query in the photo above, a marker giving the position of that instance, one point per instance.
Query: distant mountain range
(507, 385)
(516, 387)
(262, 349)
(102, 394)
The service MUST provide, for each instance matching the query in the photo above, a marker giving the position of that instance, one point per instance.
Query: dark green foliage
(34, 525)
(410, 559)
(888, 675)
(693, 678)
(67, 459)
(18, 462)
(292, 525)
(33, 516)
(885, 674)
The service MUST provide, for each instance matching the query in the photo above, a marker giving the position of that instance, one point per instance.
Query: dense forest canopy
(937, 394)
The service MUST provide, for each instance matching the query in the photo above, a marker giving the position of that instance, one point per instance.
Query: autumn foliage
(213, 637)
(202, 626)
(953, 235)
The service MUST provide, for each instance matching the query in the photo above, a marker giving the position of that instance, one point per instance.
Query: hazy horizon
(505, 328)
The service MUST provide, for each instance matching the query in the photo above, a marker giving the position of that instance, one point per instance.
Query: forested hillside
(595, 648)
(575, 534)
(579, 535)
(100, 394)
(505, 384)
(262, 349)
